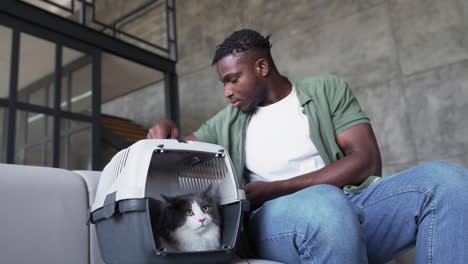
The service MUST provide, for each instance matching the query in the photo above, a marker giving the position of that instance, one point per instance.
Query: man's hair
(240, 42)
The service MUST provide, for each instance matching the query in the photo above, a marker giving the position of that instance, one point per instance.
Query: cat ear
(210, 190)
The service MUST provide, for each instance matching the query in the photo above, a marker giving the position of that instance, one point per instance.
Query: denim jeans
(425, 207)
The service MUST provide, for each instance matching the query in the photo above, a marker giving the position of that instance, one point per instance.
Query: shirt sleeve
(208, 132)
(345, 109)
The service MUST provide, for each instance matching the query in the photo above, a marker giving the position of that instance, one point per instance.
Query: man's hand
(164, 129)
(259, 192)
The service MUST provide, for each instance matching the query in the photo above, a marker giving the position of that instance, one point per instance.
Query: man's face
(243, 85)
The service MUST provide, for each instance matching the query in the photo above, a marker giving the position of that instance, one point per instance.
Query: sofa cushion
(43, 216)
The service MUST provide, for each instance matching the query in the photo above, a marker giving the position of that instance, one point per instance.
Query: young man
(309, 162)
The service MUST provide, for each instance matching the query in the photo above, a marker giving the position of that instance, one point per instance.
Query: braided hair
(240, 42)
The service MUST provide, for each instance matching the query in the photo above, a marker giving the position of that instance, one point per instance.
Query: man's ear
(262, 66)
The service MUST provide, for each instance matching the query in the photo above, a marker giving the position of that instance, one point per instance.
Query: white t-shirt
(277, 144)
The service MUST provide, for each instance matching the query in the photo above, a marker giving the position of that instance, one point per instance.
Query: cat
(190, 222)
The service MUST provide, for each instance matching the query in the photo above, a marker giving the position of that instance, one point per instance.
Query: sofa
(44, 216)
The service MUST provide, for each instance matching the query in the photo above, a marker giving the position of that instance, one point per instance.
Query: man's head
(244, 65)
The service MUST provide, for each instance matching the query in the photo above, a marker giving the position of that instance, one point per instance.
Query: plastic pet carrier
(128, 199)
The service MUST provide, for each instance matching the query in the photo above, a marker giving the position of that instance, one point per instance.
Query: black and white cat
(190, 222)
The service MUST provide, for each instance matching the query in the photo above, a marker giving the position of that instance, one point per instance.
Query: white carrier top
(152, 167)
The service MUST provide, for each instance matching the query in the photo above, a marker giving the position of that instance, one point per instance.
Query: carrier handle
(241, 194)
(244, 203)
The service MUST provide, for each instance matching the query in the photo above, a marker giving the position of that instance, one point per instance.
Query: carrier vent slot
(119, 164)
(198, 177)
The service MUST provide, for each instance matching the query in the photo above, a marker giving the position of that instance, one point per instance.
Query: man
(309, 162)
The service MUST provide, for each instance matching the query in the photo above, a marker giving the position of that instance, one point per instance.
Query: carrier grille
(120, 162)
(198, 177)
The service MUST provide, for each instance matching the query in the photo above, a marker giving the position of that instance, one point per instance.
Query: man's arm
(362, 159)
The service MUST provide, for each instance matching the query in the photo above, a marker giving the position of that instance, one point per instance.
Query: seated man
(310, 166)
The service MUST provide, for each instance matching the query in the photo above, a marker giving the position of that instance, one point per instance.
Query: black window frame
(22, 17)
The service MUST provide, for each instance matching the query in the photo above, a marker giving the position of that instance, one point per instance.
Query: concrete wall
(406, 61)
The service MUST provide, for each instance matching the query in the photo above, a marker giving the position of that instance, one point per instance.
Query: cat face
(193, 213)
(198, 217)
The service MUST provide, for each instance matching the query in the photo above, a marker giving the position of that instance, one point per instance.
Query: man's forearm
(352, 169)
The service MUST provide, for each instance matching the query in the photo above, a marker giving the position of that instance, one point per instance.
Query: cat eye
(206, 209)
(188, 212)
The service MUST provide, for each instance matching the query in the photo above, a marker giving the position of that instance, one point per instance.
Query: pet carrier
(128, 199)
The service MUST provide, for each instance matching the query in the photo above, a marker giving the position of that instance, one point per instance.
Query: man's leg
(426, 206)
(316, 225)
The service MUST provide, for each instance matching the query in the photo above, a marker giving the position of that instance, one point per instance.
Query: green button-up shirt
(329, 105)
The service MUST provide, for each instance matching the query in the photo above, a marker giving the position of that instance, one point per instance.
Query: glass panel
(49, 162)
(58, 7)
(126, 84)
(64, 3)
(51, 7)
(3, 133)
(33, 132)
(5, 54)
(36, 70)
(137, 27)
(138, 22)
(69, 9)
(35, 155)
(76, 81)
(75, 145)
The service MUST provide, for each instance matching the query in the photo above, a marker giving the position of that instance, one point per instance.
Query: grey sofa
(43, 217)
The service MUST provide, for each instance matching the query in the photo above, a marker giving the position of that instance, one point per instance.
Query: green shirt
(329, 105)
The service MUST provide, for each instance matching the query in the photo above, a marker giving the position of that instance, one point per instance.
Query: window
(5, 54)
(73, 134)
(50, 76)
(76, 81)
(36, 72)
(34, 138)
(47, 124)
(3, 133)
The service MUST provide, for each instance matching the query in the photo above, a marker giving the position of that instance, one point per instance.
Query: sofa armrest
(43, 216)
(92, 179)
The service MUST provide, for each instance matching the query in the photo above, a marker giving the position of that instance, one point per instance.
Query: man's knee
(321, 205)
(444, 167)
(444, 174)
(316, 217)
(326, 192)
(445, 180)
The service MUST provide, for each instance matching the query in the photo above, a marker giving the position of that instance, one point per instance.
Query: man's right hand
(164, 129)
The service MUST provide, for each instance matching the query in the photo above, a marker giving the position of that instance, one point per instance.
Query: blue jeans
(426, 207)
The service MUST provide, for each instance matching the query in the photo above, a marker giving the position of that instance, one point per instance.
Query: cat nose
(202, 220)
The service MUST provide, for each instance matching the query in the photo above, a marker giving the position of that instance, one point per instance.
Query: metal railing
(85, 12)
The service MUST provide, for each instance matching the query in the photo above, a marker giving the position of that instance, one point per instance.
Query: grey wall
(406, 61)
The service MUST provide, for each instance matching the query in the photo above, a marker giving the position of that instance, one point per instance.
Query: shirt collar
(303, 96)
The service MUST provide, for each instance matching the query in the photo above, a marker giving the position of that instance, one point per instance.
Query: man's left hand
(259, 192)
